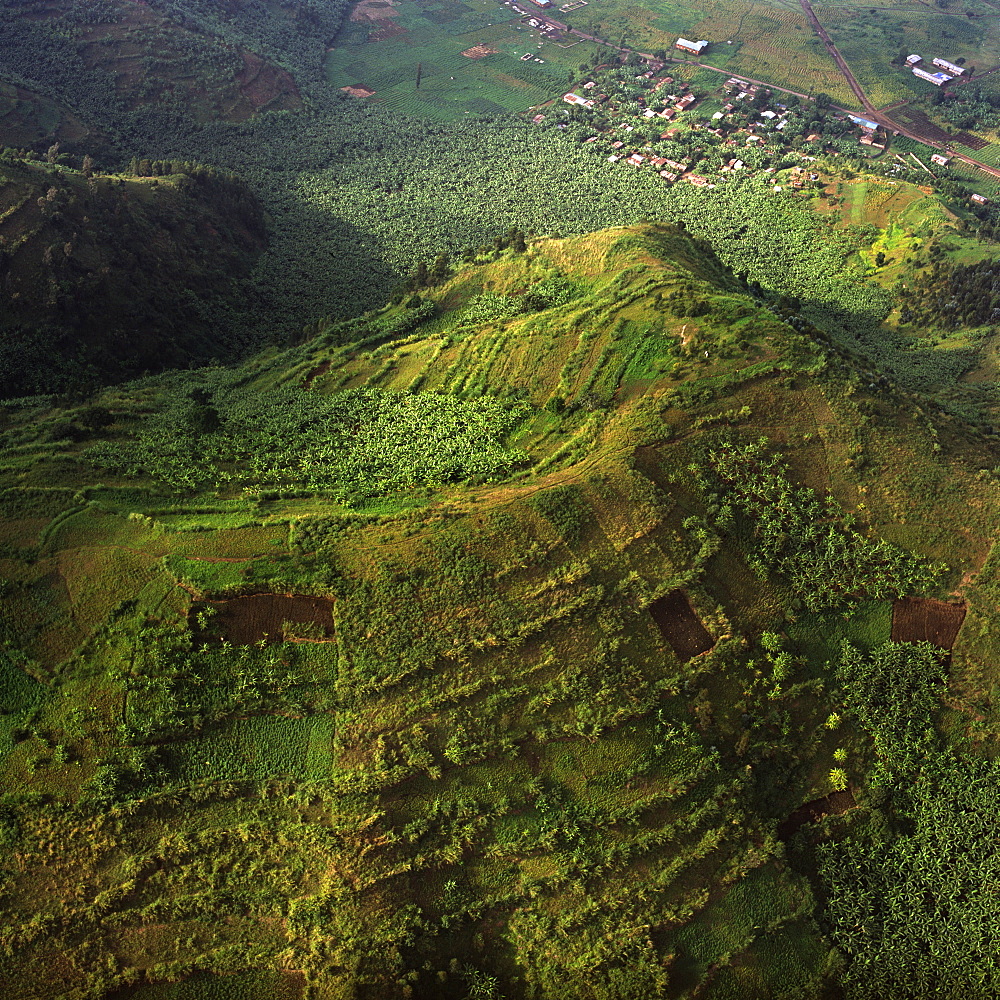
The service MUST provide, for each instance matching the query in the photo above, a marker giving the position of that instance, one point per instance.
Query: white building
(914, 60)
(948, 67)
(938, 79)
(695, 47)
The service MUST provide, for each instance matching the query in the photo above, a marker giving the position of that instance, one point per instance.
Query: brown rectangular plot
(917, 619)
(680, 626)
(247, 620)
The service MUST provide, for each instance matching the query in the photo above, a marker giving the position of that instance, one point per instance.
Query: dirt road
(837, 57)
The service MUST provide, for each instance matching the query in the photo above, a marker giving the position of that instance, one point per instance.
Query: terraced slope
(560, 707)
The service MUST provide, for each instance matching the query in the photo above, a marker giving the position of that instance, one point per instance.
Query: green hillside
(459, 546)
(553, 632)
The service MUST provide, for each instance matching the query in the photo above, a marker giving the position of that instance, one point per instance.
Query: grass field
(382, 46)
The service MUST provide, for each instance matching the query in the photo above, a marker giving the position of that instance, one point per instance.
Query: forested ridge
(967, 295)
(105, 277)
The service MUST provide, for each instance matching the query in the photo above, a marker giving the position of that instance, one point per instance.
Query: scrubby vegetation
(499, 607)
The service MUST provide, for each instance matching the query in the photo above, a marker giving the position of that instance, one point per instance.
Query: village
(643, 118)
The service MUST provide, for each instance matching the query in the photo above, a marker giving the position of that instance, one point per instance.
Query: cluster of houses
(681, 102)
(946, 71)
(739, 90)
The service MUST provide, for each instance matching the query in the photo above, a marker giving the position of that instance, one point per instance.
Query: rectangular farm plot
(680, 626)
(257, 749)
(916, 619)
(256, 985)
(264, 618)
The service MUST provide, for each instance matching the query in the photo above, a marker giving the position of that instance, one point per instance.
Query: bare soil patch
(833, 804)
(386, 27)
(976, 142)
(358, 91)
(479, 52)
(680, 626)
(916, 619)
(267, 86)
(373, 10)
(917, 121)
(318, 372)
(246, 620)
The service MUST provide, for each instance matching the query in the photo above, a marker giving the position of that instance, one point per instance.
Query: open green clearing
(380, 49)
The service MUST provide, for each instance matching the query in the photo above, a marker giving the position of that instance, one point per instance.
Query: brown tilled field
(916, 619)
(245, 621)
(812, 812)
(918, 121)
(680, 626)
(975, 142)
(479, 52)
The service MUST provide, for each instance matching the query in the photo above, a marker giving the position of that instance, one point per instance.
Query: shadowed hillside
(109, 59)
(108, 276)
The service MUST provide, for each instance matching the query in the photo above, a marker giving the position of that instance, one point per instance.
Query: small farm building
(948, 67)
(694, 47)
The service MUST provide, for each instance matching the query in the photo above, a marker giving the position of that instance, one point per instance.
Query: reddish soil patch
(266, 85)
(385, 28)
(680, 626)
(245, 621)
(479, 52)
(833, 804)
(915, 619)
(320, 370)
(358, 91)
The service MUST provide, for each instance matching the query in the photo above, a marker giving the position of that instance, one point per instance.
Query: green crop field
(257, 749)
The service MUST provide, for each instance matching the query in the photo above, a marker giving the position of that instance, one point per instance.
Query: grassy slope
(499, 767)
(108, 276)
